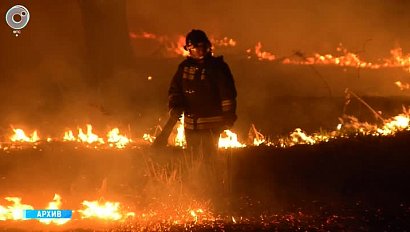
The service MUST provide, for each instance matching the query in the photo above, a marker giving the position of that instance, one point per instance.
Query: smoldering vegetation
(352, 184)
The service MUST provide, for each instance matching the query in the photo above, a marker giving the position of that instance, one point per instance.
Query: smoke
(282, 26)
(46, 71)
(46, 83)
(51, 80)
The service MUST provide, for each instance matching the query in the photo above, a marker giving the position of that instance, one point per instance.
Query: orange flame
(398, 59)
(180, 140)
(148, 138)
(176, 47)
(196, 214)
(225, 42)
(228, 139)
(117, 140)
(402, 86)
(55, 204)
(69, 136)
(14, 212)
(346, 59)
(262, 55)
(106, 211)
(20, 136)
(90, 137)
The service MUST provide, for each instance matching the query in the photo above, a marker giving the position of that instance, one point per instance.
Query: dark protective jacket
(205, 92)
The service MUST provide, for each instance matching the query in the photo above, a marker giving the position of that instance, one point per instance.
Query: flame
(228, 139)
(299, 137)
(389, 127)
(148, 137)
(114, 137)
(257, 142)
(69, 136)
(20, 136)
(346, 59)
(398, 59)
(14, 212)
(90, 137)
(263, 55)
(225, 42)
(180, 140)
(106, 211)
(402, 86)
(144, 35)
(195, 214)
(175, 46)
(55, 204)
(180, 47)
(92, 209)
(257, 137)
(397, 123)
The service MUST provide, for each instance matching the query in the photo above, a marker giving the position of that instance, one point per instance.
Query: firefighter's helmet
(195, 37)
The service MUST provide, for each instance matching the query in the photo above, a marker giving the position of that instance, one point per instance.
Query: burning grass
(344, 58)
(300, 187)
(349, 126)
(115, 181)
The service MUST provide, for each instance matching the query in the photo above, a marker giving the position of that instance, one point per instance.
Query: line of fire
(192, 116)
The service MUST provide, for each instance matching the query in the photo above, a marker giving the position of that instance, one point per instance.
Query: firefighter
(204, 90)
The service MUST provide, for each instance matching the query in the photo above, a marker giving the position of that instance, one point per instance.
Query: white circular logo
(17, 17)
